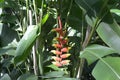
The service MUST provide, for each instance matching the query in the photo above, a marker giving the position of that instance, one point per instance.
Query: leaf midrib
(104, 63)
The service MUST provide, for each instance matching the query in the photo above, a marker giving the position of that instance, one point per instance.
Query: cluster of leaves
(26, 38)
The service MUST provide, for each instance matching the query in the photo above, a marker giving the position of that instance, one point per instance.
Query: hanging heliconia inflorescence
(61, 52)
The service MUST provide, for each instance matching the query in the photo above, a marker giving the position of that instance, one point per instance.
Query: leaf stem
(68, 13)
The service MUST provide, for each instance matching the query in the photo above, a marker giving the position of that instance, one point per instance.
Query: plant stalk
(68, 13)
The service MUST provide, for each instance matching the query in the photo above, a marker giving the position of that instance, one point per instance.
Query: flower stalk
(61, 52)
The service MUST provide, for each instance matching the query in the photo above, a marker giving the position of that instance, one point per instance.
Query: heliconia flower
(61, 40)
(58, 38)
(57, 29)
(65, 56)
(57, 45)
(56, 58)
(56, 52)
(65, 62)
(58, 64)
(66, 49)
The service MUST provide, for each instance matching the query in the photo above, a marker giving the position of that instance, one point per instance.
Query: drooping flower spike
(61, 47)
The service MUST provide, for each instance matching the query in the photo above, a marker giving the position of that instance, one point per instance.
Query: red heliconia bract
(57, 45)
(65, 56)
(56, 58)
(57, 29)
(61, 46)
(58, 64)
(65, 62)
(66, 49)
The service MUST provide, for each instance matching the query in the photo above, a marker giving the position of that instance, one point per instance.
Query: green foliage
(26, 37)
(54, 74)
(107, 68)
(110, 34)
(27, 76)
(6, 77)
(95, 52)
(25, 44)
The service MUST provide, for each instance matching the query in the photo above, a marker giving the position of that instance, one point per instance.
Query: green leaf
(25, 44)
(54, 67)
(7, 18)
(116, 11)
(107, 69)
(110, 34)
(54, 74)
(63, 79)
(45, 18)
(5, 35)
(94, 52)
(88, 5)
(1, 0)
(75, 17)
(27, 76)
(90, 20)
(5, 77)
(10, 49)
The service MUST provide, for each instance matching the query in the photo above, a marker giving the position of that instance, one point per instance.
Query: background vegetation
(26, 39)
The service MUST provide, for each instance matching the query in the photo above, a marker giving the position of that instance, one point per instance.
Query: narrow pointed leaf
(25, 44)
(45, 18)
(116, 11)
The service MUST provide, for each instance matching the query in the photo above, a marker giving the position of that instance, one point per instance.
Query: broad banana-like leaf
(110, 34)
(107, 69)
(94, 52)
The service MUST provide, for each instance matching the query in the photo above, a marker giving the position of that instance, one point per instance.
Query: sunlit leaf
(45, 18)
(116, 11)
(110, 34)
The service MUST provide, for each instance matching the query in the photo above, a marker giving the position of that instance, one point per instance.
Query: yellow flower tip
(65, 56)
(57, 45)
(53, 30)
(56, 52)
(53, 51)
(69, 48)
(56, 58)
(65, 62)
